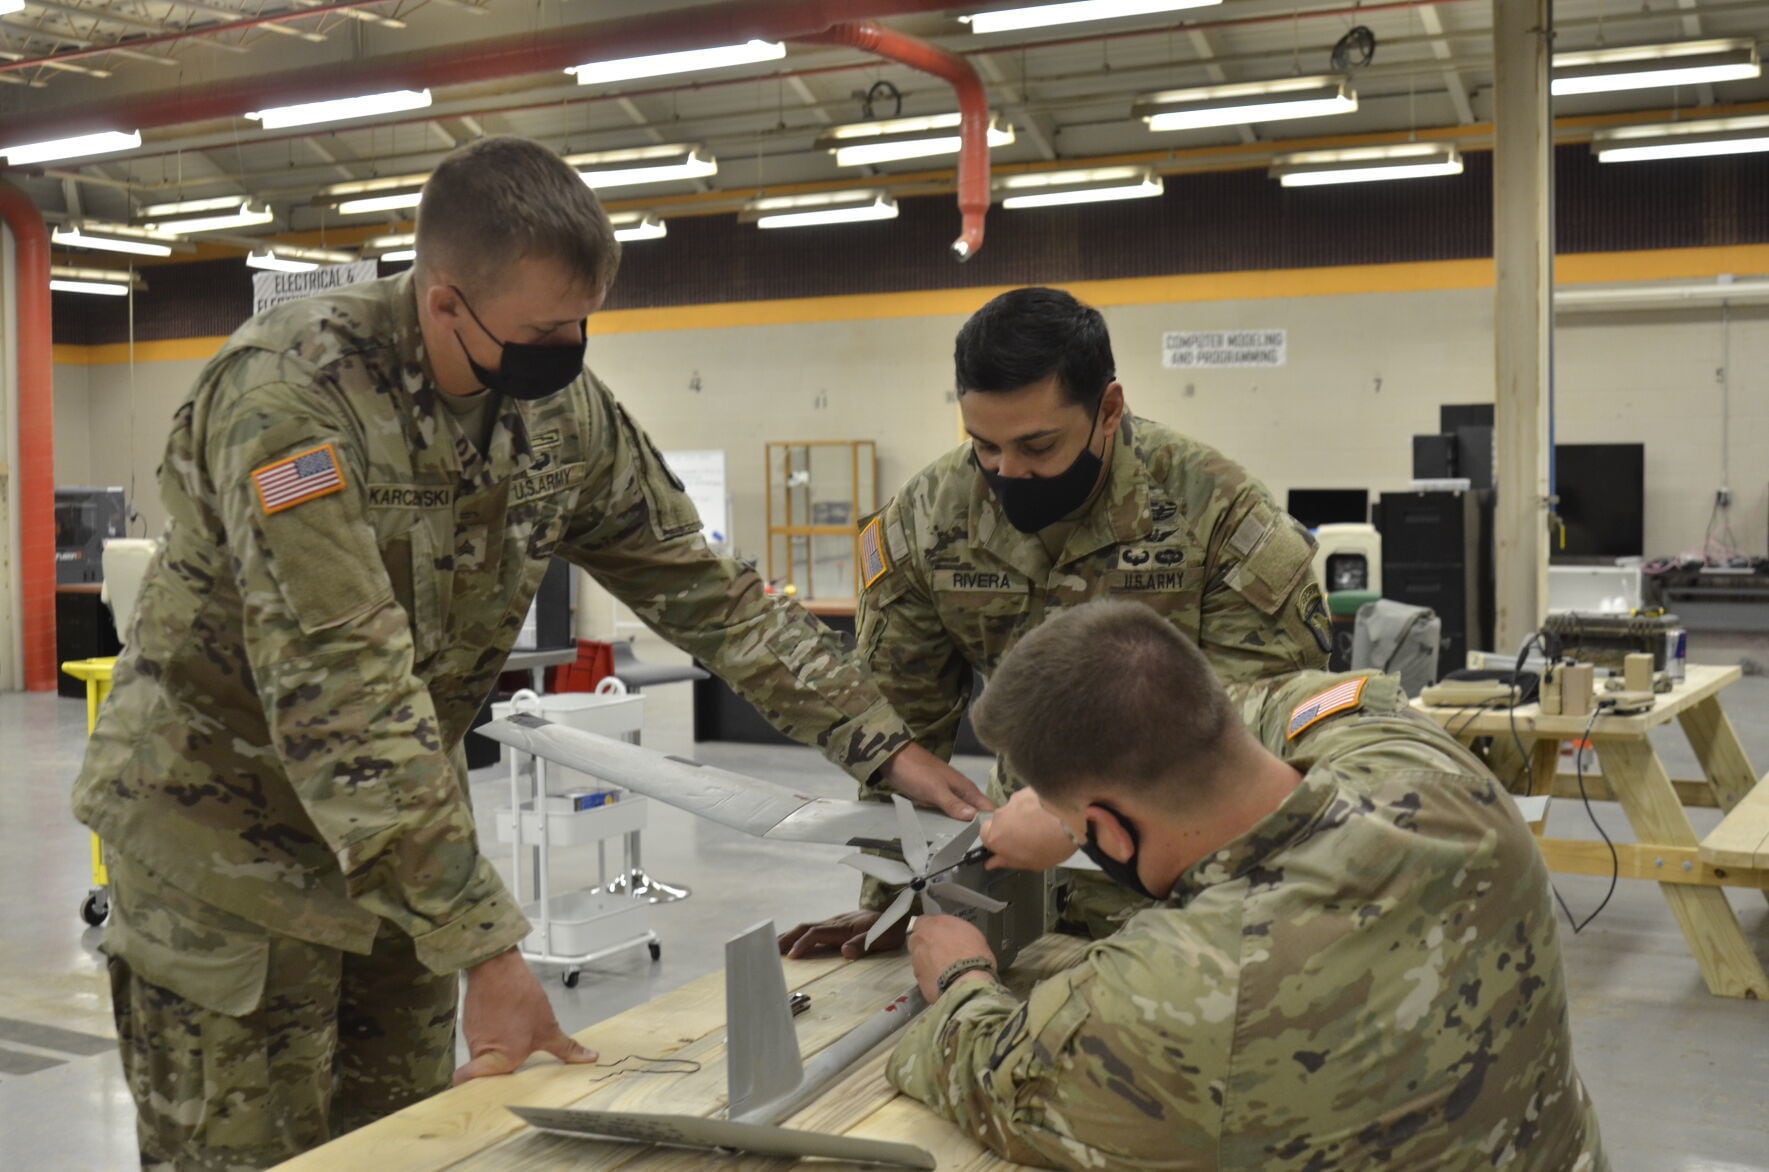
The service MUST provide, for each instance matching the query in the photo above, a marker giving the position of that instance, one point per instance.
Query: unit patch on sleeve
(873, 562)
(295, 479)
(1315, 709)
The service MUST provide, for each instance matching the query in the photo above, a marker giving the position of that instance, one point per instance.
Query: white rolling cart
(580, 926)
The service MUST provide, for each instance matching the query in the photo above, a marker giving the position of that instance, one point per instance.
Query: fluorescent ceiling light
(400, 254)
(638, 226)
(1045, 15)
(384, 246)
(102, 276)
(688, 61)
(236, 213)
(103, 143)
(293, 258)
(1043, 189)
(1234, 105)
(823, 207)
(341, 109)
(112, 238)
(277, 264)
(665, 163)
(379, 203)
(1641, 67)
(100, 288)
(8, 7)
(861, 144)
(372, 186)
(1412, 160)
(1682, 140)
(188, 207)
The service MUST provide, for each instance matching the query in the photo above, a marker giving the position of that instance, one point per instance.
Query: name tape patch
(299, 478)
(1317, 708)
(873, 562)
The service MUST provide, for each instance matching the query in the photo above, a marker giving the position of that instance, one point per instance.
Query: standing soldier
(1061, 496)
(365, 489)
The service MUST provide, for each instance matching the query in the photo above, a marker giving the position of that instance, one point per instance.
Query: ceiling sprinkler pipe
(973, 109)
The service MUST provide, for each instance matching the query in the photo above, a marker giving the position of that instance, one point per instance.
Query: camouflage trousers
(244, 1048)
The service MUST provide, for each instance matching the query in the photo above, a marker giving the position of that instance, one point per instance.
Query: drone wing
(756, 807)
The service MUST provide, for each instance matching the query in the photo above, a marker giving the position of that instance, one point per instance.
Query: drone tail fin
(761, 1046)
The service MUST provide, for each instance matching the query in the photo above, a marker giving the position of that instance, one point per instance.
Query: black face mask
(526, 371)
(1031, 503)
(1122, 873)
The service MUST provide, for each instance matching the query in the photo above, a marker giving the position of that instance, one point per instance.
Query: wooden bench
(1742, 837)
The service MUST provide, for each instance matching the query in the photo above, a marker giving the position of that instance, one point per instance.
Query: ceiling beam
(1039, 127)
(1440, 48)
(1205, 48)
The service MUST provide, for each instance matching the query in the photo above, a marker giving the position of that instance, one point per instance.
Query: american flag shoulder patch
(1315, 709)
(873, 562)
(299, 478)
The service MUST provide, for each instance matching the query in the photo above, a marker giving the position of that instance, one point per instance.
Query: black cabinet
(83, 630)
(1437, 553)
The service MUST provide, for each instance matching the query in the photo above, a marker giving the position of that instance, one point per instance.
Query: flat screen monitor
(1602, 490)
(1315, 507)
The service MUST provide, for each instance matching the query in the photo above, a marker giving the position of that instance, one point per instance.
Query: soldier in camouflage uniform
(1355, 966)
(1061, 497)
(357, 529)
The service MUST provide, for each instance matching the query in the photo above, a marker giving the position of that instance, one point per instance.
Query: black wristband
(958, 968)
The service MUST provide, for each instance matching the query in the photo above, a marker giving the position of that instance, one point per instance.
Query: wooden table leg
(1640, 783)
(1723, 759)
(1716, 746)
(1544, 763)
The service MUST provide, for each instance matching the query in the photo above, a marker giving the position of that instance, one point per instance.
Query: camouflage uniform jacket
(1179, 526)
(298, 676)
(1367, 979)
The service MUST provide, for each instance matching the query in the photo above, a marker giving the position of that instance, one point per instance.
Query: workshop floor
(1679, 1077)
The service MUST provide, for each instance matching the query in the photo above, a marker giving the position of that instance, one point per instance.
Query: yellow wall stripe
(1412, 277)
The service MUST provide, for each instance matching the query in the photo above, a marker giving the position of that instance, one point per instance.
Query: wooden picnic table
(468, 1128)
(1690, 869)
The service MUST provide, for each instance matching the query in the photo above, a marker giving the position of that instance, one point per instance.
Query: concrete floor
(1680, 1077)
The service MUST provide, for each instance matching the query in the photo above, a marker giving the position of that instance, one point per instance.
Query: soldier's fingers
(964, 801)
(566, 1049)
(790, 938)
(491, 1062)
(816, 942)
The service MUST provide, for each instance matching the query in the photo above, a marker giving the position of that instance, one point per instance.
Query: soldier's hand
(938, 941)
(1023, 836)
(928, 781)
(507, 1017)
(846, 932)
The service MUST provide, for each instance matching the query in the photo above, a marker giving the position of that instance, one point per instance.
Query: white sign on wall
(703, 477)
(1181, 351)
(270, 289)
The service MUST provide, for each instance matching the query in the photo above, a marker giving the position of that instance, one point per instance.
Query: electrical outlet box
(1723, 498)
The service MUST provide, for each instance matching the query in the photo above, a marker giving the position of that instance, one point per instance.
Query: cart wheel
(95, 908)
(570, 978)
(656, 950)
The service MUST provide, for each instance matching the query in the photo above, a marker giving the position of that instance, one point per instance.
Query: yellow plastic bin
(97, 675)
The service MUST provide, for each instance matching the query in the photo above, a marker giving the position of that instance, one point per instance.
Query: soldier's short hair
(1108, 693)
(1024, 335)
(501, 199)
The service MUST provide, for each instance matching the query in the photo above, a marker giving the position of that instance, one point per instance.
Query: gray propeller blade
(884, 870)
(954, 849)
(929, 905)
(909, 835)
(958, 893)
(898, 909)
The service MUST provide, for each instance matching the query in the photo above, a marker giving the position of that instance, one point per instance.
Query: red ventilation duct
(973, 109)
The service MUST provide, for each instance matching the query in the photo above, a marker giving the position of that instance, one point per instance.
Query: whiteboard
(702, 475)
